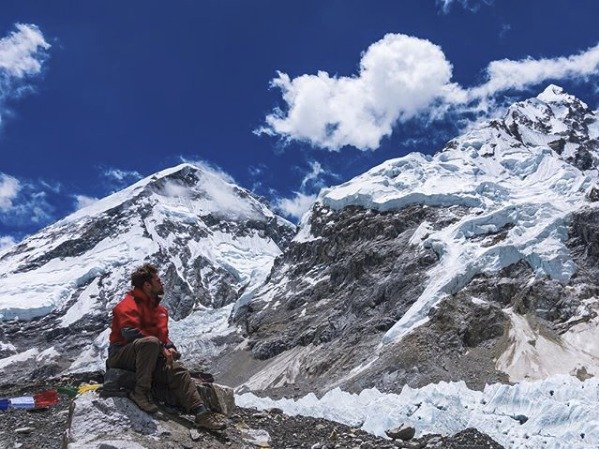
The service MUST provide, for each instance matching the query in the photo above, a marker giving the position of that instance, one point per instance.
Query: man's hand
(171, 355)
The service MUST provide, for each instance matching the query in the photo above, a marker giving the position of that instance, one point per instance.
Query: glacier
(559, 412)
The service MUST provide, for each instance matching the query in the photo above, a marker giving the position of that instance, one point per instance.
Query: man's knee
(148, 344)
(178, 373)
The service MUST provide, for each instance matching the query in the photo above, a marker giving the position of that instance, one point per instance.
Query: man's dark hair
(143, 274)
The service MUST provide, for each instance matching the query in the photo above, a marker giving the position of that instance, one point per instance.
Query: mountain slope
(212, 240)
(477, 263)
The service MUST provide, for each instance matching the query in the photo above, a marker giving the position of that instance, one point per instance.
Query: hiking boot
(210, 421)
(142, 401)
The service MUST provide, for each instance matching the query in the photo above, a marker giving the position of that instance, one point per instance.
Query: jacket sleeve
(129, 322)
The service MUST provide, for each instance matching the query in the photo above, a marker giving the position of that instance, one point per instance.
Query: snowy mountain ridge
(212, 240)
(495, 229)
(528, 172)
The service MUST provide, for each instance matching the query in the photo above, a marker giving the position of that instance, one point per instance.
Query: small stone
(402, 432)
(320, 427)
(24, 430)
(334, 435)
(316, 446)
(218, 398)
(521, 418)
(414, 445)
(194, 434)
(275, 411)
(257, 437)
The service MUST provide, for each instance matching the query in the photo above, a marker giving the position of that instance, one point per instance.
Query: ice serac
(212, 240)
(477, 263)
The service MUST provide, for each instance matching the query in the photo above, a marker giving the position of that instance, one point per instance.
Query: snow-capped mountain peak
(556, 94)
(558, 120)
(204, 188)
(211, 239)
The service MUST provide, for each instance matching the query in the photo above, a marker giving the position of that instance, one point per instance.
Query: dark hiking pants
(173, 385)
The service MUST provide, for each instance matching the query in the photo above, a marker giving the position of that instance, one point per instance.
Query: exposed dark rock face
(347, 279)
(458, 343)
(462, 338)
(337, 293)
(584, 238)
(363, 276)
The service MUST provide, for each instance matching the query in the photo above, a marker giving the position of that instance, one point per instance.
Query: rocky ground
(247, 428)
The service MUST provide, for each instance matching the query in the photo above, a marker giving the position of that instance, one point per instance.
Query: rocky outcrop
(333, 296)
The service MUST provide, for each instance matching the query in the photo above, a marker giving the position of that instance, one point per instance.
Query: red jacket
(140, 312)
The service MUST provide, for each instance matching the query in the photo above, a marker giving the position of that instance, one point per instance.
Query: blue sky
(284, 96)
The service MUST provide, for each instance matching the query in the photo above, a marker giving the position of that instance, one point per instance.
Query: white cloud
(52, 186)
(6, 242)
(302, 200)
(221, 190)
(117, 179)
(31, 207)
(9, 189)
(470, 5)
(256, 171)
(23, 202)
(401, 77)
(508, 74)
(295, 206)
(82, 201)
(211, 169)
(22, 54)
(119, 175)
(505, 29)
(22, 51)
(315, 176)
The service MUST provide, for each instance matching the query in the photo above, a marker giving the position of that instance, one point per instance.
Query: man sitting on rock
(139, 342)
